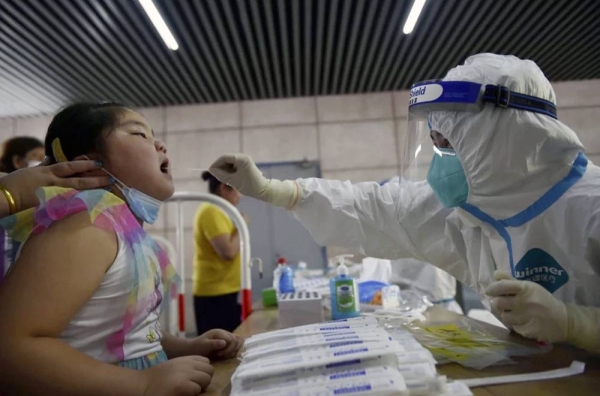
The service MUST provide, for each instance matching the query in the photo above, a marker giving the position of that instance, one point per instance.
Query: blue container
(368, 289)
(286, 282)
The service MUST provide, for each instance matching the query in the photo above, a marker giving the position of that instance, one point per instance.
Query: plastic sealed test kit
(332, 339)
(314, 329)
(351, 356)
(334, 378)
(316, 356)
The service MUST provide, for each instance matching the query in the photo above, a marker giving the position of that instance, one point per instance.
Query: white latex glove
(499, 275)
(528, 308)
(240, 172)
(584, 326)
(535, 313)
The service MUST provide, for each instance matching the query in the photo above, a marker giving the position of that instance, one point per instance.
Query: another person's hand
(528, 308)
(184, 376)
(240, 172)
(23, 183)
(217, 344)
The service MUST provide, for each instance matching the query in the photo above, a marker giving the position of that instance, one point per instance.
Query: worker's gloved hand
(217, 344)
(499, 275)
(584, 323)
(528, 308)
(240, 172)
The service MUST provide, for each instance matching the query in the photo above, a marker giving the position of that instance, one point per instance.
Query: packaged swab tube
(319, 328)
(427, 386)
(310, 377)
(391, 383)
(417, 371)
(415, 357)
(316, 356)
(324, 339)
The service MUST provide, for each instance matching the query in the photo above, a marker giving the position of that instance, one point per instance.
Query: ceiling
(56, 51)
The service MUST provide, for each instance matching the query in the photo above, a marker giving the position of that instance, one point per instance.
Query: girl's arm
(56, 274)
(176, 346)
(214, 343)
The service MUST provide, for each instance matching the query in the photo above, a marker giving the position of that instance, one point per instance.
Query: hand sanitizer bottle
(344, 293)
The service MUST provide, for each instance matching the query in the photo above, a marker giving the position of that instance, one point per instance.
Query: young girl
(80, 306)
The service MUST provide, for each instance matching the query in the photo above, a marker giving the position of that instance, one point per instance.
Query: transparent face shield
(424, 137)
(418, 149)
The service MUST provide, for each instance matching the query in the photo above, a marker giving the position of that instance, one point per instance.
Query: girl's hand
(23, 183)
(184, 376)
(217, 344)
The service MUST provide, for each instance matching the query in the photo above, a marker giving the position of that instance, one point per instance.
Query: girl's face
(136, 158)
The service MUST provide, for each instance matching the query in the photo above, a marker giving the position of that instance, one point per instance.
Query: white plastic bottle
(277, 275)
(302, 270)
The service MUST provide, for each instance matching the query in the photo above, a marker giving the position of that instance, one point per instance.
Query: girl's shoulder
(101, 209)
(104, 210)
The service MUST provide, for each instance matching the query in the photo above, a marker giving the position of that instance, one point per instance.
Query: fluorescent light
(413, 16)
(417, 151)
(159, 24)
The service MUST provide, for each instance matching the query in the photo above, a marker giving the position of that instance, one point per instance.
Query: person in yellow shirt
(216, 263)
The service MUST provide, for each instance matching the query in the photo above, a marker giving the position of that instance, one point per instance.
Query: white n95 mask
(31, 164)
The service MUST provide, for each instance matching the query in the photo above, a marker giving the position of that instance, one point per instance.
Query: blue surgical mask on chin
(447, 178)
(143, 206)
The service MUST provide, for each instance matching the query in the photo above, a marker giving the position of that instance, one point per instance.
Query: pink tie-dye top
(120, 321)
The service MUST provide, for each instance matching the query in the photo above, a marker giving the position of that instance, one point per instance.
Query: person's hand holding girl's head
(23, 183)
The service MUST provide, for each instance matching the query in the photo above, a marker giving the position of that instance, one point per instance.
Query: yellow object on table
(588, 383)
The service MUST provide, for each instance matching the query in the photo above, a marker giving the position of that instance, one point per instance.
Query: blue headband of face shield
(469, 96)
(446, 175)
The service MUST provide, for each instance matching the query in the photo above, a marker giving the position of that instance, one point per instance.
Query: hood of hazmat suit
(530, 206)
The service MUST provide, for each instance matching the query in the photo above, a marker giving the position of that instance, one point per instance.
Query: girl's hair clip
(57, 151)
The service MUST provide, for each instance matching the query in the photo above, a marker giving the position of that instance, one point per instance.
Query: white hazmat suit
(438, 285)
(533, 206)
